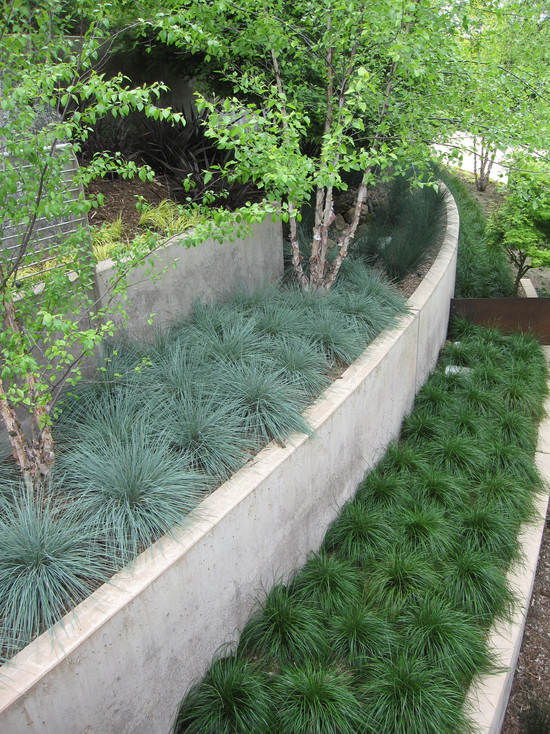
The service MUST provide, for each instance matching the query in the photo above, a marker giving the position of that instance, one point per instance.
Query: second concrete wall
(206, 273)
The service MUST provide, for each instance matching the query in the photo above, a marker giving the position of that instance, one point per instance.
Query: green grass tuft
(446, 638)
(233, 698)
(316, 699)
(404, 694)
(330, 582)
(284, 628)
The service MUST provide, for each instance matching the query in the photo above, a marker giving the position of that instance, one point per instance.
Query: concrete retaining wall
(133, 648)
(205, 272)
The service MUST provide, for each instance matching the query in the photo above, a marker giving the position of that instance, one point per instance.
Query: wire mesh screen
(46, 231)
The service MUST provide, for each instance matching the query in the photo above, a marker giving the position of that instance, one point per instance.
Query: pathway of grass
(383, 630)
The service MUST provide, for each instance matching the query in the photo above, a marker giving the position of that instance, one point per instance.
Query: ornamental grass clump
(405, 694)
(392, 613)
(316, 698)
(285, 628)
(48, 558)
(233, 698)
(129, 490)
(445, 638)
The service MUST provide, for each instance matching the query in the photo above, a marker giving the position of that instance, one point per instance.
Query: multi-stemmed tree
(367, 80)
(50, 98)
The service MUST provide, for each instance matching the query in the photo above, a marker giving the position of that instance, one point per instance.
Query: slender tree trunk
(35, 457)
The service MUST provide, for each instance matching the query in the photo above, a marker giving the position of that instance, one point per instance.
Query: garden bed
(185, 597)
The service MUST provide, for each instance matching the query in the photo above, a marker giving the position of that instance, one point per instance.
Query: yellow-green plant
(107, 237)
(169, 218)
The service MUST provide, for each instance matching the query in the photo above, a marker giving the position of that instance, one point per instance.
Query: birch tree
(369, 78)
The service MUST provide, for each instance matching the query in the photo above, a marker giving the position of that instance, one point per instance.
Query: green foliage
(168, 218)
(285, 628)
(329, 582)
(327, 91)
(51, 96)
(476, 584)
(405, 694)
(233, 698)
(481, 272)
(359, 634)
(394, 608)
(107, 238)
(521, 226)
(446, 639)
(316, 698)
(360, 533)
(405, 229)
(401, 577)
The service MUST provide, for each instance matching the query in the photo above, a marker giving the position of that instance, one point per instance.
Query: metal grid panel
(47, 232)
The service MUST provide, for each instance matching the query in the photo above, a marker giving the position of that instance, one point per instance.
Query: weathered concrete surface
(206, 273)
(133, 648)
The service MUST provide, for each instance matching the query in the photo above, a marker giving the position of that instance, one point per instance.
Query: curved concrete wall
(123, 662)
(181, 275)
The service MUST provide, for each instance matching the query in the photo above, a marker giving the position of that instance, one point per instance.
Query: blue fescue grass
(129, 490)
(166, 421)
(49, 561)
(393, 611)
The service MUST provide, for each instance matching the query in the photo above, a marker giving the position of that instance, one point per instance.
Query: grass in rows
(481, 271)
(166, 421)
(395, 607)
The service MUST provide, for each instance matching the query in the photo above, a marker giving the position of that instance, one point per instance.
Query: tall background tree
(503, 93)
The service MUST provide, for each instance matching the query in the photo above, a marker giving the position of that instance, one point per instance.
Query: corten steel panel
(509, 314)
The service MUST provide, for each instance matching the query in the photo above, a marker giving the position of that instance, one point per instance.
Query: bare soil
(120, 197)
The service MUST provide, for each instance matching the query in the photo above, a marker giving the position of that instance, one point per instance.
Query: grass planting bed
(164, 425)
(385, 628)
